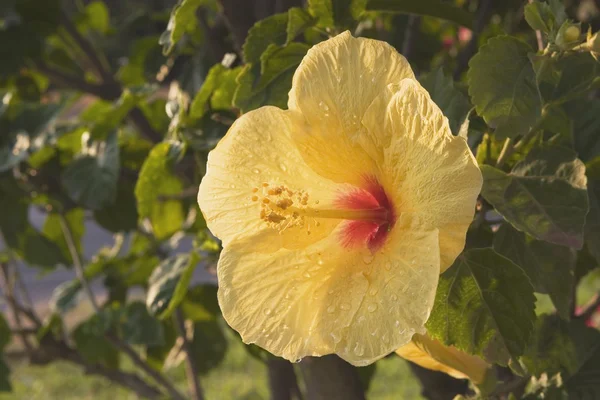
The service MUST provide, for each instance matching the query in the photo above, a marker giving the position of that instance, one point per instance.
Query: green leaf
(200, 303)
(134, 72)
(271, 30)
(157, 179)
(168, 284)
(53, 230)
(122, 215)
(91, 180)
(35, 248)
(183, 20)
(430, 8)
(450, 100)
(298, 21)
(271, 85)
(139, 328)
(5, 334)
(564, 78)
(65, 297)
(592, 224)
(91, 343)
(216, 91)
(507, 97)
(544, 195)
(96, 17)
(539, 16)
(336, 13)
(485, 306)
(109, 116)
(157, 354)
(208, 345)
(549, 267)
(551, 349)
(586, 125)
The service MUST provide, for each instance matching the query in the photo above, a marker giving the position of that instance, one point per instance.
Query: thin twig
(191, 370)
(8, 284)
(114, 340)
(484, 14)
(538, 35)
(137, 360)
(411, 35)
(77, 264)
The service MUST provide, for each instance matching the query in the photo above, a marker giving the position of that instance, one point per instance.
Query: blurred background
(90, 90)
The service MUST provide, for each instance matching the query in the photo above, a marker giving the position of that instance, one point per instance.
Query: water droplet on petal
(267, 311)
(331, 309)
(345, 306)
(359, 350)
(373, 291)
(330, 291)
(362, 319)
(372, 307)
(397, 323)
(283, 167)
(368, 258)
(256, 171)
(307, 274)
(388, 266)
(394, 297)
(336, 338)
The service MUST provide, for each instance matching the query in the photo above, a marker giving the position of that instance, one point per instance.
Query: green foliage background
(108, 111)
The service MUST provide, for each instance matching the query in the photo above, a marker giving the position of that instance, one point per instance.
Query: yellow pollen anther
(254, 198)
(254, 190)
(265, 184)
(275, 191)
(266, 201)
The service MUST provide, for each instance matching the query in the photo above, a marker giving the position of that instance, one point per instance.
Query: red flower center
(371, 200)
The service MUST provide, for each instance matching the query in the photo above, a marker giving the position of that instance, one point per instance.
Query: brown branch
(282, 380)
(191, 370)
(330, 377)
(482, 17)
(411, 35)
(8, 283)
(138, 362)
(437, 385)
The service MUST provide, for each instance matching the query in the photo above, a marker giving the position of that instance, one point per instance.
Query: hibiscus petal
(257, 155)
(433, 172)
(431, 354)
(333, 87)
(327, 299)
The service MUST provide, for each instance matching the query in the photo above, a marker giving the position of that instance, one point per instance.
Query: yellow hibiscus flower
(431, 354)
(338, 214)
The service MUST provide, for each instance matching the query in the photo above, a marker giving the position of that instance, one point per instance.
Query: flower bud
(568, 36)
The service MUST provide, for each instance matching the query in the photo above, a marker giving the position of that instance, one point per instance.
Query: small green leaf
(586, 125)
(430, 8)
(298, 21)
(216, 91)
(91, 179)
(168, 284)
(92, 344)
(545, 195)
(485, 306)
(65, 297)
(156, 179)
(271, 30)
(450, 100)
(338, 14)
(549, 267)
(139, 328)
(269, 85)
(96, 17)
(539, 16)
(183, 20)
(53, 230)
(507, 97)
